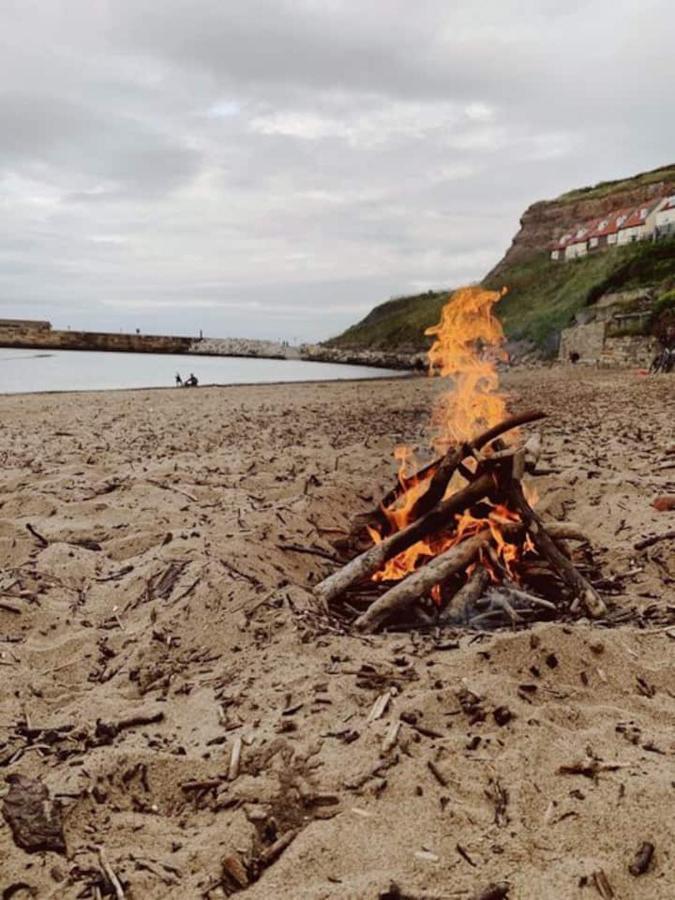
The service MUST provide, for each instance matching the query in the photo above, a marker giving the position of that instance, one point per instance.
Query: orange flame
(467, 347)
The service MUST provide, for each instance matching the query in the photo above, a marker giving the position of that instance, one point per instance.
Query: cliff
(543, 296)
(547, 220)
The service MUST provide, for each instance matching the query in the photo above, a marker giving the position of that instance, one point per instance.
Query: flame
(468, 345)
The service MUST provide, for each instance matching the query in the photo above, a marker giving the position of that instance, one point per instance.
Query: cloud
(266, 165)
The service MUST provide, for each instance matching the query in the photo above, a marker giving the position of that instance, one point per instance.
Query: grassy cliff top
(604, 188)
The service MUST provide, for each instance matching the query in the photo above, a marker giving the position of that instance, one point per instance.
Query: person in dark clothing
(179, 380)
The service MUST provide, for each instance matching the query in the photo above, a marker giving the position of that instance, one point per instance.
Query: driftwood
(405, 592)
(654, 539)
(375, 557)
(440, 471)
(465, 597)
(447, 465)
(507, 584)
(545, 544)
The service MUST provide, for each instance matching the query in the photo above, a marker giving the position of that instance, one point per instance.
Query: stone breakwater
(53, 339)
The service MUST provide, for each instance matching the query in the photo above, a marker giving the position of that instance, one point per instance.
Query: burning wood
(462, 529)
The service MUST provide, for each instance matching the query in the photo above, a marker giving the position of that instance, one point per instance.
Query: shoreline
(405, 376)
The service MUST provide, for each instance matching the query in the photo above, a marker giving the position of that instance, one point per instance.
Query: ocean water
(27, 371)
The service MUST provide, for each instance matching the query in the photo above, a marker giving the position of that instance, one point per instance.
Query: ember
(462, 529)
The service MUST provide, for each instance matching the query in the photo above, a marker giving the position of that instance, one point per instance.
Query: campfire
(458, 540)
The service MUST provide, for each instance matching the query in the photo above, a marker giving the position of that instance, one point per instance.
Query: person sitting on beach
(192, 380)
(179, 380)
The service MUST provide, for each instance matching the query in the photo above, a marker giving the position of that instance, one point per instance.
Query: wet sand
(163, 580)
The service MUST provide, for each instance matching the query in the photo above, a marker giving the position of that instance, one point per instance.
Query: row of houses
(623, 226)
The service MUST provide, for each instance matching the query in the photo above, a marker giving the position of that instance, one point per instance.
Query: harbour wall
(24, 335)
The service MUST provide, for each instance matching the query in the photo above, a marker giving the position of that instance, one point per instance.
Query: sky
(275, 168)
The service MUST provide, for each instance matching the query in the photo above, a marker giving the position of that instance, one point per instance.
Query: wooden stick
(455, 611)
(235, 759)
(440, 471)
(545, 544)
(403, 594)
(566, 531)
(654, 539)
(374, 558)
(445, 467)
(110, 874)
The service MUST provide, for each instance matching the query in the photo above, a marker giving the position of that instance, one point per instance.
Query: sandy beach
(158, 613)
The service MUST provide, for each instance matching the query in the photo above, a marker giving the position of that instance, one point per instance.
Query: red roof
(592, 227)
(612, 222)
(628, 217)
(640, 213)
(562, 241)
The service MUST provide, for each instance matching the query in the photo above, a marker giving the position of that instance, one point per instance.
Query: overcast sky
(274, 168)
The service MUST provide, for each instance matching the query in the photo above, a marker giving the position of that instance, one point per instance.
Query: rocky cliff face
(547, 220)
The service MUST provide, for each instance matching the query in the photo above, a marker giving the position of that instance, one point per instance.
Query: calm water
(24, 371)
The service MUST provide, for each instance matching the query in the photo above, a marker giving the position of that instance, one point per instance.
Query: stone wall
(628, 351)
(585, 340)
(596, 346)
(94, 340)
(243, 347)
(377, 358)
(145, 343)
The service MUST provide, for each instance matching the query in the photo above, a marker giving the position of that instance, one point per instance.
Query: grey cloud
(278, 166)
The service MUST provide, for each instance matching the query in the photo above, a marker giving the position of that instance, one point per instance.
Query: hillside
(543, 296)
(397, 325)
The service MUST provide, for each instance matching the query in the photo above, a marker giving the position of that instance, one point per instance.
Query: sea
(30, 371)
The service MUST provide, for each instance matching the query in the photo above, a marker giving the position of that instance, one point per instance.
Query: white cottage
(634, 228)
(578, 243)
(664, 220)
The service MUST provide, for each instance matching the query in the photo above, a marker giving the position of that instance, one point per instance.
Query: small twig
(310, 551)
(602, 885)
(391, 737)
(654, 539)
(379, 707)
(8, 607)
(40, 538)
(171, 487)
(110, 873)
(235, 759)
(436, 772)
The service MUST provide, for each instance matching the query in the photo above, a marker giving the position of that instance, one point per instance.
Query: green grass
(397, 325)
(665, 173)
(543, 296)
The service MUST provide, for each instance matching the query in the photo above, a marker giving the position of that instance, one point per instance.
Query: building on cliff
(648, 221)
(664, 217)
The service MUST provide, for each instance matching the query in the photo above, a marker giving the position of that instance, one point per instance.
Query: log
(407, 591)
(466, 596)
(446, 466)
(545, 544)
(440, 472)
(375, 557)
(566, 531)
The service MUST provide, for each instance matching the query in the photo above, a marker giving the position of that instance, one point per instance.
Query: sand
(188, 600)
